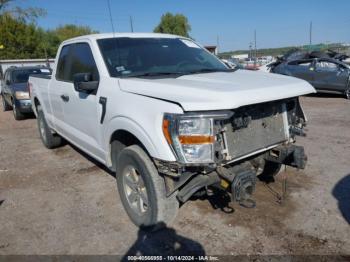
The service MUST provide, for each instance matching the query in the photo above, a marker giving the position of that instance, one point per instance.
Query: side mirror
(83, 82)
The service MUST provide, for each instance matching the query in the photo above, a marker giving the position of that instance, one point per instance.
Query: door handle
(65, 98)
(103, 102)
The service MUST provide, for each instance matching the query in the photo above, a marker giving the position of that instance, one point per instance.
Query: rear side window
(76, 58)
(326, 66)
(62, 65)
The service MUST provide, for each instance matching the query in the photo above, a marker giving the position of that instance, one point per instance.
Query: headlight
(196, 126)
(22, 95)
(191, 136)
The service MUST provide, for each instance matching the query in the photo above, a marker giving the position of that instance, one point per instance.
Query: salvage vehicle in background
(324, 74)
(15, 92)
(325, 70)
(169, 118)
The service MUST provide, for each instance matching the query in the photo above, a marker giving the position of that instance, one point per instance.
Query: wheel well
(119, 140)
(36, 102)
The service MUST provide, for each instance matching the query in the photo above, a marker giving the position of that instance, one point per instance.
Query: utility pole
(310, 33)
(250, 51)
(47, 59)
(217, 44)
(131, 24)
(255, 52)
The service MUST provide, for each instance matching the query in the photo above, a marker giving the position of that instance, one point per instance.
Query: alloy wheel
(42, 129)
(14, 109)
(135, 190)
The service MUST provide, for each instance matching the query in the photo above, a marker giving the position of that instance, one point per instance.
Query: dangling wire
(283, 195)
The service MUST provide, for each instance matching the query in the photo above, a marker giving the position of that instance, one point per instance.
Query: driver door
(302, 69)
(80, 109)
(330, 75)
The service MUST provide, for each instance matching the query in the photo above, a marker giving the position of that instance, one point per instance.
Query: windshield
(22, 75)
(151, 56)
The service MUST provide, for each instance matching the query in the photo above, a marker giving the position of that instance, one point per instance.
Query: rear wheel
(142, 189)
(18, 115)
(49, 139)
(5, 105)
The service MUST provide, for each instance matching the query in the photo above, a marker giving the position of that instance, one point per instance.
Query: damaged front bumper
(238, 179)
(251, 137)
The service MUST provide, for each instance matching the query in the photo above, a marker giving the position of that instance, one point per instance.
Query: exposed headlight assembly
(22, 95)
(192, 136)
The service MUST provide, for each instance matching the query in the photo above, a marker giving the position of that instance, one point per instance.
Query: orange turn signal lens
(187, 140)
(166, 132)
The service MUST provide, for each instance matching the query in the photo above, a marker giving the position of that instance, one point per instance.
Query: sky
(277, 23)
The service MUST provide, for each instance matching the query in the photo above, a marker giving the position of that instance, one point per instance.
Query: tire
(151, 208)
(18, 115)
(49, 139)
(347, 94)
(5, 105)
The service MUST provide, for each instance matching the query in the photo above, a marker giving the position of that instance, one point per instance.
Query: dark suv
(15, 91)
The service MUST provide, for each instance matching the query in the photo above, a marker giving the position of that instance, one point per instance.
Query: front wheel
(142, 189)
(17, 114)
(49, 139)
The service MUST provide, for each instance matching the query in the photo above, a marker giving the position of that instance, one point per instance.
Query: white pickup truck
(169, 118)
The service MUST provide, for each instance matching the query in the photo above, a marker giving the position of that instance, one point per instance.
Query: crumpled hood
(221, 90)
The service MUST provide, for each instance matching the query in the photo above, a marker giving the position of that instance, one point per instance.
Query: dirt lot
(60, 202)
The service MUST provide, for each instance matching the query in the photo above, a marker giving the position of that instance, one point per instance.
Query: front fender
(157, 149)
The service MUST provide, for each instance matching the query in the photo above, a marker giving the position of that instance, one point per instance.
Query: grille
(254, 128)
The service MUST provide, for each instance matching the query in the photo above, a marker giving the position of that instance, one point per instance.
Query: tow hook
(242, 181)
(290, 155)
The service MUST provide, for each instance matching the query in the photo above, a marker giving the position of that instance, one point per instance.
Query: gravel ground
(60, 202)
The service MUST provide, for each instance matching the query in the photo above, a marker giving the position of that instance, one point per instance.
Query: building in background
(241, 57)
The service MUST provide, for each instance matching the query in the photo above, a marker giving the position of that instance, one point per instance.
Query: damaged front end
(229, 149)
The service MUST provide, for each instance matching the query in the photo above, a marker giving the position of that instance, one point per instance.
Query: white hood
(216, 91)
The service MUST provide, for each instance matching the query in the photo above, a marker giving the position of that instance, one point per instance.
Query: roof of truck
(131, 35)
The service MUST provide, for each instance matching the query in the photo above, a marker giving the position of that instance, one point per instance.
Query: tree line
(22, 38)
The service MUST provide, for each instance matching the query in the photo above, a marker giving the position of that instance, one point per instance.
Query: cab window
(62, 71)
(76, 58)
